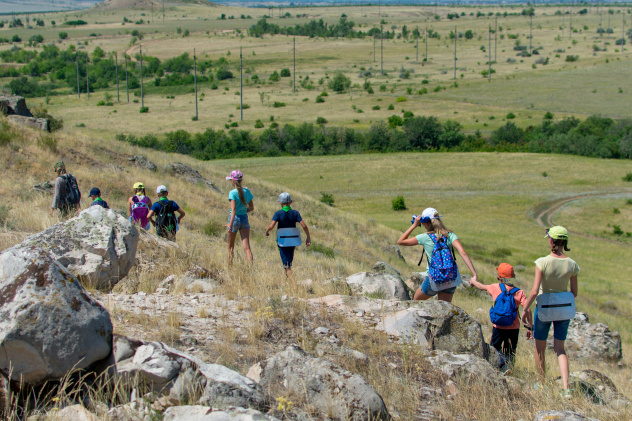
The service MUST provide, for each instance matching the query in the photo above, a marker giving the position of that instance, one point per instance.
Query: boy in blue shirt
(287, 218)
(95, 195)
(166, 223)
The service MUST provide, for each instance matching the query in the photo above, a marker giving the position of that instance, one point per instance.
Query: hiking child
(67, 197)
(95, 195)
(287, 218)
(241, 204)
(438, 244)
(139, 205)
(504, 313)
(554, 274)
(166, 223)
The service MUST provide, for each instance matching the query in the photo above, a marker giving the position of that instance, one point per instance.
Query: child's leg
(512, 343)
(230, 237)
(245, 241)
(497, 340)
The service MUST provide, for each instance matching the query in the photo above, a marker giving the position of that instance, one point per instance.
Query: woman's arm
(251, 206)
(459, 247)
(233, 208)
(532, 296)
(129, 206)
(574, 285)
(404, 240)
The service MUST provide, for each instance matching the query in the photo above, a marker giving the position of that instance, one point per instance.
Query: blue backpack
(504, 311)
(442, 267)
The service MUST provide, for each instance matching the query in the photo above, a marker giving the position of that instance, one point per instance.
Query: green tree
(339, 83)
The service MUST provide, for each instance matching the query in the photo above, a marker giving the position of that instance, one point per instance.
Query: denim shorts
(240, 223)
(287, 256)
(427, 289)
(541, 329)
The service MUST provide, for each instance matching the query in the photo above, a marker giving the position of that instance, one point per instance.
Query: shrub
(144, 110)
(398, 203)
(258, 124)
(321, 120)
(616, 230)
(616, 211)
(548, 115)
(571, 58)
(4, 215)
(628, 177)
(194, 118)
(320, 99)
(63, 35)
(376, 107)
(510, 116)
(327, 198)
(48, 142)
(274, 77)
(278, 104)
(339, 82)
(285, 72)
(391, 107)
(401, 99)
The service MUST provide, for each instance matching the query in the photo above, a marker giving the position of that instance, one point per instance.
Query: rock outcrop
(48, 323)
(14, 105)
(98, 245)
(554, 415)
(142, 162)
(325, 386)
(586, 340)
(205, 413)
(598, 388)
(378, 285)
(184, 378)
(184, 171)
(32, 122)
(466, 367)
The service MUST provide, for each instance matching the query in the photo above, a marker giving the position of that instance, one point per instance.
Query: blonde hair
(240, 192)
(438, 228)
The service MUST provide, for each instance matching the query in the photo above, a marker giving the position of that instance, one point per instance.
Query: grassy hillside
(354, 233)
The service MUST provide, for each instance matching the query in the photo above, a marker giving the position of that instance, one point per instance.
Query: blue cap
(95, 192)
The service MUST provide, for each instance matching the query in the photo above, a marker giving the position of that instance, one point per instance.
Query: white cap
(428, 214)
(284, 198)
(161, 189)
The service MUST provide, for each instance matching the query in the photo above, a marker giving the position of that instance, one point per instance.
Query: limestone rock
(48, 323)
(437, 324)
(13, 104)
(184, 171)
(75, 413)
(205, 413)
(394, 249)
(591, 341)
(467, 366)
(325, 386)
(554, 415)
(183, 377)
(142, 162)
(383, 267)
(98, 245)
(383, 285)
(598, 388)
(326, 348)
(32, 122)
(415, 280)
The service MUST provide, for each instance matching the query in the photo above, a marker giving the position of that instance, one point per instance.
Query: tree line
(594, 137)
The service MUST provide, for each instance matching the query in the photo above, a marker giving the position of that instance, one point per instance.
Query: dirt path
(544, 214)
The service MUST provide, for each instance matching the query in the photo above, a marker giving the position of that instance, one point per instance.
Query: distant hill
(146, 4)
(30, 6)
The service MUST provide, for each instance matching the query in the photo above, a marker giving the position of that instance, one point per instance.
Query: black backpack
(166, 219)
(73, 195)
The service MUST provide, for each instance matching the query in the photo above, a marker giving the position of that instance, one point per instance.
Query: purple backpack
(140, 209)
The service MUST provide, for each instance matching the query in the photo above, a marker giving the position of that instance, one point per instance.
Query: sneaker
(566, 393)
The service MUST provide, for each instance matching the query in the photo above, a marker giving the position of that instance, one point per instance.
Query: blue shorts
(427, 289)
(541, 329)
(240, 223)
(287, 256)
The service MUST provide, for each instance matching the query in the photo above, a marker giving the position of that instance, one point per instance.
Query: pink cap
(235, 175)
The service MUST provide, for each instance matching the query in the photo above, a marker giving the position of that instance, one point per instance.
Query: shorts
(287, 256)
(541, 329)
(240, 223)
(427, 289)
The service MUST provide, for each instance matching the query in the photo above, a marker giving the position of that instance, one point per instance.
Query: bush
(320, 99)
(628, 177)
(510, 116)
(274, 77)
(258, 124)
(375, 107)
(571, 58)
(223, 74)
(391, 107)
(548, 115)
(144, 110)
(398, 203)
(616, 230)
(48, 142)
(401, 99)
(321, 120)
(63, 35)
(278, 104)
(339, 83)
(327, 198)
(4, 215)
(285, 73)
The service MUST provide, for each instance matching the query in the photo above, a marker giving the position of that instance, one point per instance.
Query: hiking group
(554, 286)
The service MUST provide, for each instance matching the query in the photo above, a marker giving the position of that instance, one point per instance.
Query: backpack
(140, 210)
(166, 219)
(73, 195)
(504, 311)
(442, 267)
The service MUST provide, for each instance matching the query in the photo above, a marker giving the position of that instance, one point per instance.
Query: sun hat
(58, 165)
(95, 191)
(557, 233)
(138, 185)
(428, 214)
(284, 198)
(505, 270)
(161, 189)
(235, 175)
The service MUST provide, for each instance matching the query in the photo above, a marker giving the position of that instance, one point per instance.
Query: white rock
(205, 413)
(48, 324)
(383, 284)
(321, 331)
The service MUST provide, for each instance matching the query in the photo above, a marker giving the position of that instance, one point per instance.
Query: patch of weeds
(628, 177)
(144, 110)
(616, 230)
(48, 142)
(327, 198)
(616, 211)
(4, 214)
(378, 295)
(278, 104)
(322, 249)
(545, 174)
(213, 228)
(501, 252)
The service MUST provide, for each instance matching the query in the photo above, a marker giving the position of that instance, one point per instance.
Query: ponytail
(559, 244)
(240, 192)
(438, 228)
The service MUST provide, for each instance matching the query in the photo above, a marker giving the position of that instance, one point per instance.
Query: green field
(490, 201)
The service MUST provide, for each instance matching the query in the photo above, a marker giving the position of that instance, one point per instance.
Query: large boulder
(586, 340)
(205, 413)
(13, 104)
(98, 245)
(467, 367)
(326, 387)
(48, 324)
(182, 377)
(192, 175)
(555, 415)
(378, 285)
(437, 324)
(598, 388)
(32, 122)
